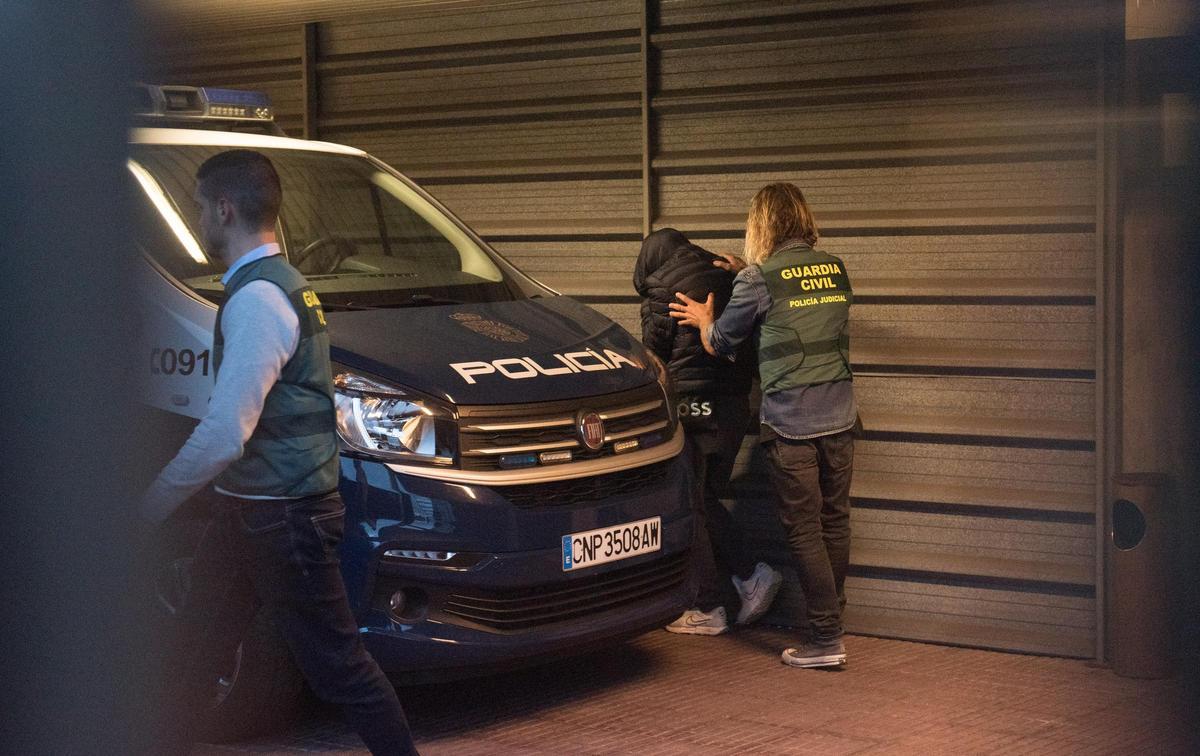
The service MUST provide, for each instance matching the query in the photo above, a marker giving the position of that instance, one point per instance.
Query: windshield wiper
(426, 299)
(343, 306)
(415, 300)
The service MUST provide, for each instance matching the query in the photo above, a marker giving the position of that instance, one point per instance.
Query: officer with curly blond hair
(794, 300)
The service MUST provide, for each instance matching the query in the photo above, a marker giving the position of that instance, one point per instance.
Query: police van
(510, 459)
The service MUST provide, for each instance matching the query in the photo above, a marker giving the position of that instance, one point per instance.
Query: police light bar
(236, 103)
(175, 101)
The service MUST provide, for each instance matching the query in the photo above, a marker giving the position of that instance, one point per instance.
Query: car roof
(234, 139)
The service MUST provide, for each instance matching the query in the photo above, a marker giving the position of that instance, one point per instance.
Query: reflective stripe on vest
(293, 449)
(804, 339)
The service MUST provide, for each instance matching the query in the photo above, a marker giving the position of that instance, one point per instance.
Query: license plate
(603, 545)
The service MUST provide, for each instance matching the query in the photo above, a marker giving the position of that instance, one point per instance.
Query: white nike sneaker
(757, 592)
(696, 622)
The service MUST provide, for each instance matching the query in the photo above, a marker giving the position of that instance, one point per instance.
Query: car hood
(532, 350)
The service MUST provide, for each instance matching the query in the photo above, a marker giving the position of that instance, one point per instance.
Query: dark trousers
(283, 555)
(811, 479)
(713, 443)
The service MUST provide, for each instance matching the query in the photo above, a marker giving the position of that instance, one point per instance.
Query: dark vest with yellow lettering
(804, 339)
(293, 451)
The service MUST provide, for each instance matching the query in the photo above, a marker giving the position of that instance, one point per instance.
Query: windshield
(360, 235)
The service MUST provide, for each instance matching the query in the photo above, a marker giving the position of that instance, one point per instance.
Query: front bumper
(504, 600)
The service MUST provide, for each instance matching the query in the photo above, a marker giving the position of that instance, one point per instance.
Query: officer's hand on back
(689, 312)
(731, 263)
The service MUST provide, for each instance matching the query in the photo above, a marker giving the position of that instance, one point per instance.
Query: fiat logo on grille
(591, 429)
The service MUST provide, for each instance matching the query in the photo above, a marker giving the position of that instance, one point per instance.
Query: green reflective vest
(293, 451)
(804, 339)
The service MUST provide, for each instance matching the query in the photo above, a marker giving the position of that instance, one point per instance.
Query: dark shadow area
(76, 671)
(450, 708)
(441, 710)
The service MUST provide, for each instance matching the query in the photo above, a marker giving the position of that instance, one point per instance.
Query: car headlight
(393, 423)
(667, 383)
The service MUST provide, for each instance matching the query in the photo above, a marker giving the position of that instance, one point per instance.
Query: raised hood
(532, 350)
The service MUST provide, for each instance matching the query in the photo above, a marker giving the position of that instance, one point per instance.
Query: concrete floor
(669, 694)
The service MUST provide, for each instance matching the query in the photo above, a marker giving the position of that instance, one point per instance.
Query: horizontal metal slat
(951, 547)
(993, 477)
(887, 487)
(495, 451)
(964, 193)
(555, 422)
(675, 13)
(481, 24)
(613, 75)
(872, 554)
(774, 56)
(982, 426)
(984, 339)
(880, 355)
(616, 288)
(420, 149)
(639, 431)
(968, 630)
(636, 409)
(1024, 110)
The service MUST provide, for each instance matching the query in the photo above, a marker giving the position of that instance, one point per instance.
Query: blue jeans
(283, 555)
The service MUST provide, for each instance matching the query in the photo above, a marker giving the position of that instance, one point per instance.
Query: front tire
(261, 691)
(258, 691)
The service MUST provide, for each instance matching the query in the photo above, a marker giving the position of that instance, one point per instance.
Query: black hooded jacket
(668, 263)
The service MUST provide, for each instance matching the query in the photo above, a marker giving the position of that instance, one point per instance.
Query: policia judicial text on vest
(804, 339)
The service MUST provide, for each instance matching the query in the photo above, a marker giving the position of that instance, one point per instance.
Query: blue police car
(511, 459)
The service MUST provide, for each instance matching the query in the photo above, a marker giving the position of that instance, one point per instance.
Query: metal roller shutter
(951, 152)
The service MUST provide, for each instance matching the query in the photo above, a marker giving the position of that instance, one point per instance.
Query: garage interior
(965, 159)
(1011, 183)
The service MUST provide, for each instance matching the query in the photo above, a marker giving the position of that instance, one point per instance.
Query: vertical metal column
(308, 78)
(1108, 302)
(1103, 325)
(647, 174)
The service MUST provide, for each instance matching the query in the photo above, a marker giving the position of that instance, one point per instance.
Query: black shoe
(830, 654)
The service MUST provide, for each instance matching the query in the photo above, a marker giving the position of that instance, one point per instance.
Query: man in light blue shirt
(278, 518)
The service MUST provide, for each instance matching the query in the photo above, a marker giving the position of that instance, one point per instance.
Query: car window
(360, 234)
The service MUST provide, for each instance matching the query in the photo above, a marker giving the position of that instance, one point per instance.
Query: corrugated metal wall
(951, 153)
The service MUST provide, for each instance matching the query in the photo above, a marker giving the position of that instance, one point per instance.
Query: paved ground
(667, 694)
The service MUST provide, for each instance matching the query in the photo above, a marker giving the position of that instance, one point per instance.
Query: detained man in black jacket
(713, 396)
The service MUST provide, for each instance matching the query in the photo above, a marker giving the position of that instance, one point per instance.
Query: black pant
(811, 479)
(713, 442)
(283, 555)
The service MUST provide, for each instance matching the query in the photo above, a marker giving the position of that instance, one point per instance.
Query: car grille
(566, 493)
(488, 432)
(525, 608)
